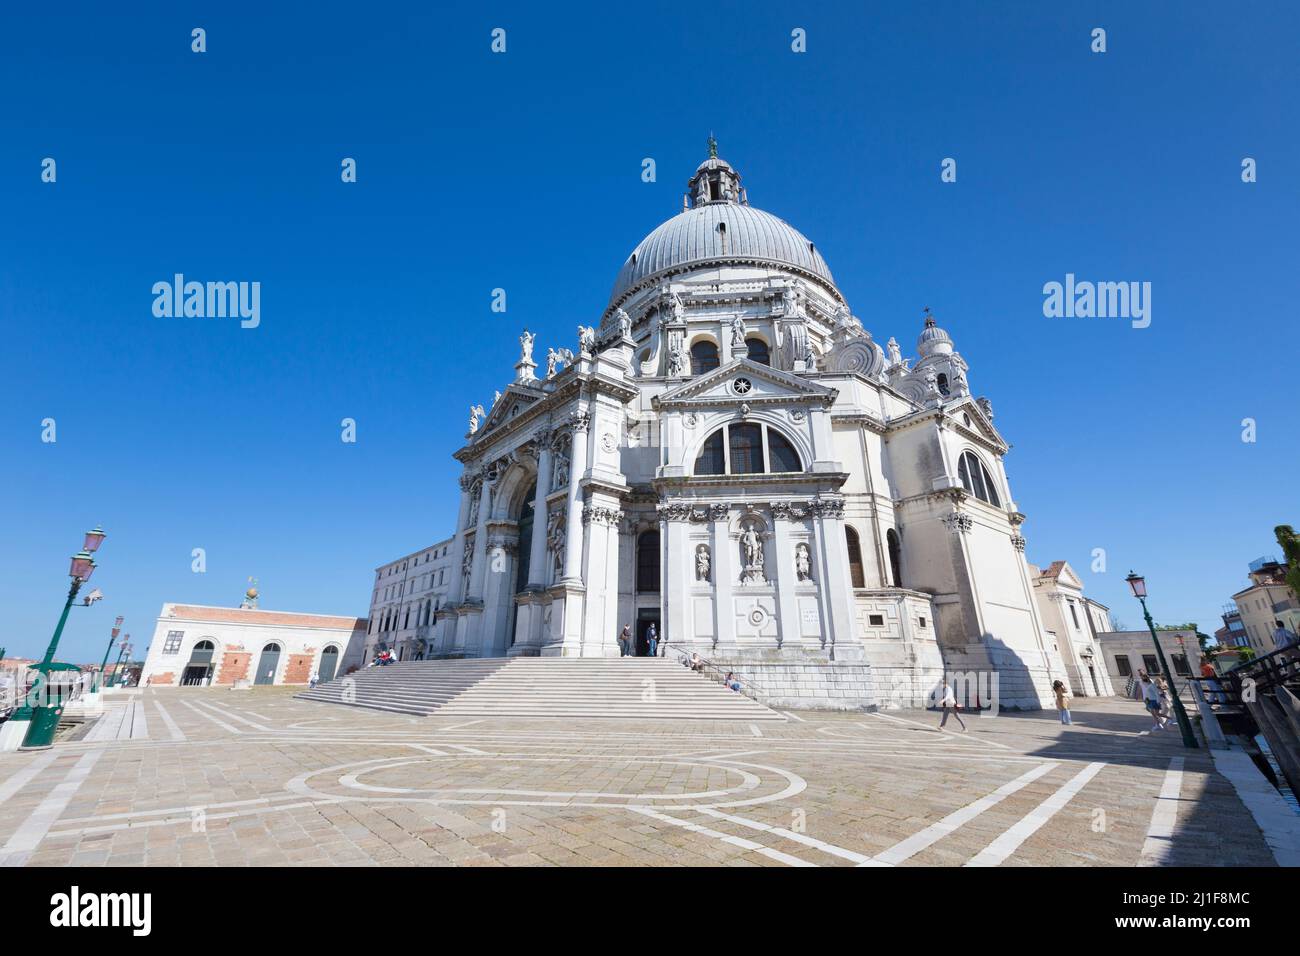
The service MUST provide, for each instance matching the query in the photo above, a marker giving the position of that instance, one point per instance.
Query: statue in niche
(679, 308)
(738, 331)
(586, 339)
(560, 473)
(555, 541)
(476, 412)
(802, 562)
(526, 346)
(752, 542)
(677, 361)
(702, 561)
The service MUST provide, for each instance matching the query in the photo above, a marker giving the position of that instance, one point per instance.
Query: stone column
(600, 631)
(836, 583)
(537, 552)
(478, 571)
(573, 530)
(674, 585)
(723, 573)
(787, 603)
(458, 548)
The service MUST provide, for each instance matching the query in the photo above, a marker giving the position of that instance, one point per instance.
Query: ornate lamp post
(103, 668)
(1139, 586)
(43, 718)
(122, 653)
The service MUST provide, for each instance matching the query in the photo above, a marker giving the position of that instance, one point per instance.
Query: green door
(266, 664)
(329, 662)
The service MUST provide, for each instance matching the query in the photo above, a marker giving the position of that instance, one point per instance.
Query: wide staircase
(629, 687)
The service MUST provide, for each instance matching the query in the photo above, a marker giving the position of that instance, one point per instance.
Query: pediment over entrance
(742, 381)
(513, 401)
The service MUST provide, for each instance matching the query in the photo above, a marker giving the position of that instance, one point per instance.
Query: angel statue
(475, 413)
(586, 339)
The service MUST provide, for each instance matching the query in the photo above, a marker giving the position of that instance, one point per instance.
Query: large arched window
(856, 572)
(976, 479)
(758, 351)
(647, 562)
(704, 357)
(747, 448)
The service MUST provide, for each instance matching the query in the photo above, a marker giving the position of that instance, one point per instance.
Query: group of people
(384, 658)
(627, 643)
(1154, 694)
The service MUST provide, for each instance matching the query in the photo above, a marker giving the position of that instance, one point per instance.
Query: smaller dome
(933, 340)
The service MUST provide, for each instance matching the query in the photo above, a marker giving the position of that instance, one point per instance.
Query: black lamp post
(103, 668)
(1139, 586)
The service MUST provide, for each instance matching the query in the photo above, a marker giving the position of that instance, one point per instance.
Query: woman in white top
(949, 702)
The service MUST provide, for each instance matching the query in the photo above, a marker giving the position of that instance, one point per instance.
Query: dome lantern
(714, 181)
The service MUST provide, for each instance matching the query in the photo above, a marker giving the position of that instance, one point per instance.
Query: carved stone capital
(959, 523)
(1018, 542)
(599, 515)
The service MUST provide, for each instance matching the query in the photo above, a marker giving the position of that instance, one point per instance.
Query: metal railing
(714, 672)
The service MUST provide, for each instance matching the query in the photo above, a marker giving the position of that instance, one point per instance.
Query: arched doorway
(647, 582)
(524, 563)
(199, 668)
(267, 664)
(329, 664)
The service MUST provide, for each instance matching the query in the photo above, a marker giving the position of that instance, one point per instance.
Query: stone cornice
(830, 480)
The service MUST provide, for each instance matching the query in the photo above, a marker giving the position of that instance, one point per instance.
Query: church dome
(720, 227)
(933, 340)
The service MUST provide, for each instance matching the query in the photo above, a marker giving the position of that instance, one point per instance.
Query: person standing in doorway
(652, 639)
(624, 640)
(1062, 702)
(948, 700)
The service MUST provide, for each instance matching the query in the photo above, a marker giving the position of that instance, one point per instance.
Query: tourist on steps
(625, 641)
(949, 702)
(1062, 702)
(652, 638)
(1151, 700)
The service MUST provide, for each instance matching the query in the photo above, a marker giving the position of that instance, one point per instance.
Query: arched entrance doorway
(523, 564)
(267, 663)
(647, 583)
(199, 668)
(329, 663)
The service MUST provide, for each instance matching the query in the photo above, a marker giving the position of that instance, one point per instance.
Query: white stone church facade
(732, 457)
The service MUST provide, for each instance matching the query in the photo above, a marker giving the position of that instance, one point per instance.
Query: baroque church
(731, 457)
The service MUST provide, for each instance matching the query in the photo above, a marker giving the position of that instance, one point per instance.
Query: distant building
(1127, 652)
(1268, 600)
(407, 594)
(1233, 632)
(195, 645)
(1073, 622)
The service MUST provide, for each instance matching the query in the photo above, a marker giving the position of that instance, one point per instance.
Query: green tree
(1289, 542)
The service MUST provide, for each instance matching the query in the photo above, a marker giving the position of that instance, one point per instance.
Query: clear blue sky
(523, 171)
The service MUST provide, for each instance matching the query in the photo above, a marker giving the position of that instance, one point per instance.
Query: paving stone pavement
(236, 778)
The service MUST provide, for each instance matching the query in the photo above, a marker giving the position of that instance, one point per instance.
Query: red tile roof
(240, 615)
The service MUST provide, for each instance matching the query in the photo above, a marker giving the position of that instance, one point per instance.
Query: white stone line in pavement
(172, 727)
(793, 716)
(753, 729)
(964, 738)
(906, 849)
(31, 832)
(231, 715)
(430, 750)
(468, 723)
(468, 750)
(109, 726)
(188, 818)
(186, 809)
(220, 723)
(1157, 847)
(13, 784)
(860, 858)
(785, 858)
(139, 722)
(1001, 848)
(1276, 820)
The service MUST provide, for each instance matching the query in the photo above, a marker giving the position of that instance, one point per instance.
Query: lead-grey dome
(719, 228)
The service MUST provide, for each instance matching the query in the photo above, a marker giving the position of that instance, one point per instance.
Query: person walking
(624, 640)
(652, 639)
(1214, 690)
(949, 702)
(1062, 702)
(1151, 700)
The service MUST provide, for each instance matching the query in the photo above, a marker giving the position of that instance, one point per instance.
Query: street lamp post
(122, 652)
(1139, 586)
(43, 718)
(103, 668)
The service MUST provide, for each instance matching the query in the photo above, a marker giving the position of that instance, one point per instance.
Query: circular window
(742, 386)
(757, 617)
